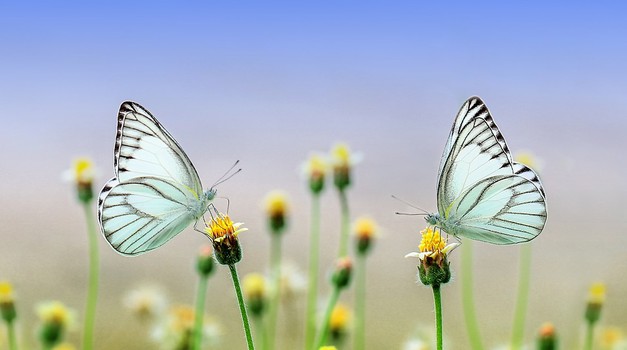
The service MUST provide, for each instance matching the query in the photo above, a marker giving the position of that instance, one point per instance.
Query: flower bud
(342, 275)
(254, 286)
(7, 302)
(547, 338)
(205, 263)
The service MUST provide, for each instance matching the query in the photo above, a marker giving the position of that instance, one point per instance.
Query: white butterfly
(482, 193)
(156, 191)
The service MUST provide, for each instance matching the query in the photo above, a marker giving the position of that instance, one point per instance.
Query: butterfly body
(156, 192)
(482, 193)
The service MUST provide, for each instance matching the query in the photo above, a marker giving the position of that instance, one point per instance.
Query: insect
(482, 193)
(156, 192)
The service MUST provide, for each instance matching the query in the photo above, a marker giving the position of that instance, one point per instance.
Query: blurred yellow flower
(254, 285)
(340, 317)
(328, 348)
(82, 171)
(6, 292)
(364, 229)
(276, 209)
(146, 302)
(316, 166)
(529, 159)
(611, 336)
(55, 312)
(342, 161)
(597, 293)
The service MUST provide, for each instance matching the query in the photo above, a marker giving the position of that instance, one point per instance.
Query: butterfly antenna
(408, 214)
(424, 212)
(227, 175)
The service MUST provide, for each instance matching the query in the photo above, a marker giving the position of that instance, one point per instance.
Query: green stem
(261, 331)
(275, 266)
(437, 300)
(92, 292)
(523, 297)
(343, 251)
(242, 307)
(11, 331)
(470, 317)
(314, 255)
(201, 294)
(589, 336)
(360, 303)
(323, 331)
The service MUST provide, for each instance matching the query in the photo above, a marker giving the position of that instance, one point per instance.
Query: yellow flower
(82, 171)
(340, 318)
(254, 285)
(276, 209)
(433, 251)
(364, 229)
(6, 292)
(528, 159)
(597, 293)
(55, 312)
(82, 174)
(7, 302)
(611, 337)
(222, 229)
(432, 245)
(146, 302)
(328, 348)
(223, 235)
(342, 161)
(316, 169)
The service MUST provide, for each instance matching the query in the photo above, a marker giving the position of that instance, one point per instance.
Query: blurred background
(269, 82)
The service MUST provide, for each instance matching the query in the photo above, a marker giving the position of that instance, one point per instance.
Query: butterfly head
(432, 219)
(210, 194)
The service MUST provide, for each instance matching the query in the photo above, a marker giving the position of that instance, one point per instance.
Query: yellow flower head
(331, 347)
(254, 285)
(611, 336)
(528, 159)
(82, 171)
(597, 293)
(6, 292)
(364, 229)
(341, 155)
(276, 203)
(432, 245)
(342, 161)
(316, 169)
(222, 229)
(55, 312)
(223, 235)
(340, 317)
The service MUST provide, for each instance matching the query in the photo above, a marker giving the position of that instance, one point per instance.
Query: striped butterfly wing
(482, 193)
(142, 213)
(149, 200)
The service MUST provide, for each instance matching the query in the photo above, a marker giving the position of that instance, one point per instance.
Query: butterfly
(482, 193)
(156, 192)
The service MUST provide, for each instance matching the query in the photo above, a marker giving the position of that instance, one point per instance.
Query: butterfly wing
(156, 192)
(482, 193)
(142, 214)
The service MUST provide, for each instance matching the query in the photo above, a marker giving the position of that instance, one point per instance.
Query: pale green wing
(475, 154)
(142, 214)
(156, 192)
(502, 209)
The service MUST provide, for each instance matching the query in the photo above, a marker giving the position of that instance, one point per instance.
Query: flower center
(431, 241)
